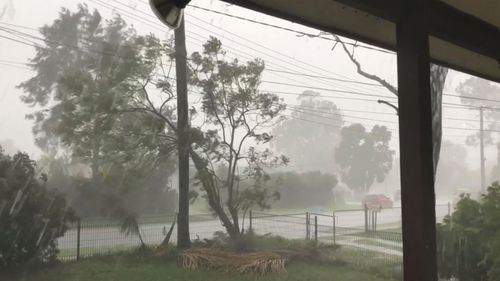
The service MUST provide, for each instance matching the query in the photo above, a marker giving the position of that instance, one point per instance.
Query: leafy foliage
(237, 117)
(469, 240)
(364, 156)
(92, 81)
(453, 171)
(484, 93)
(310, 147)
(304, 190)
(32, 216)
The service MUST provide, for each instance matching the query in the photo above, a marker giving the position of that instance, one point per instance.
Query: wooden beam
(385, 9)
(268, 10)
(415, 134)
(445, 22)
(464, 30)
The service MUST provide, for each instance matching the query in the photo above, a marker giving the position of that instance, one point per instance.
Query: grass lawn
(127, 268)
(329, 263)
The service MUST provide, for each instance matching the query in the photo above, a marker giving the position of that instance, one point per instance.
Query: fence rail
(347, 228)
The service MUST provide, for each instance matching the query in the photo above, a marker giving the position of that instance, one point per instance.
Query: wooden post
(481, 149)
(372, 222)
(250, 219)
(78, 229)
(416, 143)
(366, 219)
(333, 228)
(183, 144)
(308, 232)
(316, 229)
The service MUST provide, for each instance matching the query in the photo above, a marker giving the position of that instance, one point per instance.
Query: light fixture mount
(170, 12)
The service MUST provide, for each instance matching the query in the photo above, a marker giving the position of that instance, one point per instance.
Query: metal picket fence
(324, 229)
(90, 237)
(374, 235)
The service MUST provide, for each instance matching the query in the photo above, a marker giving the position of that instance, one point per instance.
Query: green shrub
(468, 241)
(32, 216)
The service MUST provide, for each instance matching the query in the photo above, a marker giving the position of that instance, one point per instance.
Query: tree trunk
(438, 78)
(214, 200)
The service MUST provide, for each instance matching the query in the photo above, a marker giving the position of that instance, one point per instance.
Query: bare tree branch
(373, 77)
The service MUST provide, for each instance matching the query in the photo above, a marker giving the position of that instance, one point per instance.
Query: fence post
(316, 229)
(78, 228)
(333, 228)
(307, 226)
(250, 219)
(366, 219)
(449, 209)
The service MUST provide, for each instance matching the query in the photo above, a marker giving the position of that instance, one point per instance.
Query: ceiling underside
(464, 34)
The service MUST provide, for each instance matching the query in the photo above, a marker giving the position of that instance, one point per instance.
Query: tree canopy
(237, 117)
(468, 241)
(364, 156)
(309, 137)
(481, 93)
(90, 83)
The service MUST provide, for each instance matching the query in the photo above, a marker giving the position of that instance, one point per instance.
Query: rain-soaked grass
(126, 268)
(342, 264)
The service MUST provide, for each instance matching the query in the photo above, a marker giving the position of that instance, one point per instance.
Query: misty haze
(239, 146)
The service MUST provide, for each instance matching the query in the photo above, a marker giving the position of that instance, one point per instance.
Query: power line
(327, 89)
(34, 44)
(154, 23)
(315, 108)
(316, 36)
(311, 35)
(14, 66)
(292, 61)
(299, 109)
(373, 84)
(324, 77)
(289, 72)
(386, 121)
(344, 80)
(288, 58)
(266, 81)
(13, 62)
(18, 41)
(461, 106)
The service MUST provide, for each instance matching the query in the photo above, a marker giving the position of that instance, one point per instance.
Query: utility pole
(481, 148)
(183, 144)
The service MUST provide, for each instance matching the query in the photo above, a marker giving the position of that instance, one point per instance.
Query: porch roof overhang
(463, 34)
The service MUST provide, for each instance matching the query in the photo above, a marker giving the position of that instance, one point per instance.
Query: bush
(32, 217)
(468, 241)
(304, 190)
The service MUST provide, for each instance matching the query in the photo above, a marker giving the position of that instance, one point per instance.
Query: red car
(376, 201)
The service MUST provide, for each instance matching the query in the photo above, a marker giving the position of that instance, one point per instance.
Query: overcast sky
(281, 50)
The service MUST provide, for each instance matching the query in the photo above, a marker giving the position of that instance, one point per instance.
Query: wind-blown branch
(365, 74)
